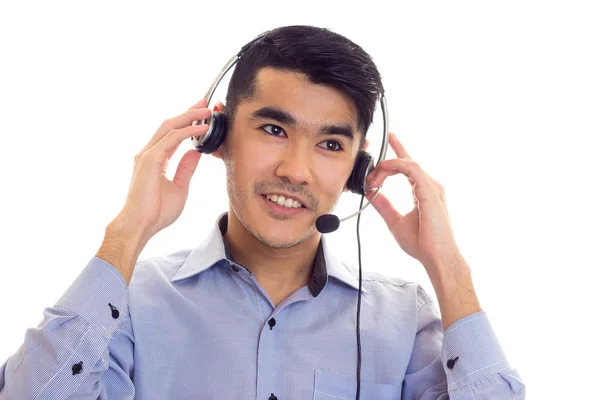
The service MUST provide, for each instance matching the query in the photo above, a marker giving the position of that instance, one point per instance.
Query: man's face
(304, 154)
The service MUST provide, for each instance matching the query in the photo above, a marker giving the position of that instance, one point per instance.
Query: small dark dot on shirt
(272, 397)
(272, 323)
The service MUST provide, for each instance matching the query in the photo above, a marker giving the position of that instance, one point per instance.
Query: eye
(275, 130)
(332, 145)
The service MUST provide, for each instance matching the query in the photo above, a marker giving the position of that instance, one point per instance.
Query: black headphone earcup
(357, 182)
(216, 134)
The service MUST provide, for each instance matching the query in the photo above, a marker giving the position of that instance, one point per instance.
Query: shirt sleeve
(82, 348)
(465, 362)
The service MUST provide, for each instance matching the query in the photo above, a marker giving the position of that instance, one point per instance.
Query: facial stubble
(239, 195)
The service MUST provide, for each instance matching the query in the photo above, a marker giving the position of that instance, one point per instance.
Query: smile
(281, 205)
(284, 201)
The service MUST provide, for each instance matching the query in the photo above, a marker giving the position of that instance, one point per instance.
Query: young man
(262, 309)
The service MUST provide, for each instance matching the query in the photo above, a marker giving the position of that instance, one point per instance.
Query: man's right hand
(154, 202)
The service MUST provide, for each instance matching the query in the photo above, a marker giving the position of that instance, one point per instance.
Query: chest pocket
(330, 386)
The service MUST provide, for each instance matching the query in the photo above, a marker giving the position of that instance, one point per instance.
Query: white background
(497, 101)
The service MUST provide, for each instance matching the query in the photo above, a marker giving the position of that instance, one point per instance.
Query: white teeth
(282, 201)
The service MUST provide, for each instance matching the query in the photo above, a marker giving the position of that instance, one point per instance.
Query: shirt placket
(268, 382)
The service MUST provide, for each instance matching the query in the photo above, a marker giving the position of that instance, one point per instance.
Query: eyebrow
(284, 117)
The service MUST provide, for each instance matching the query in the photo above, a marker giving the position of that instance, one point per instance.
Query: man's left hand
(425, 232)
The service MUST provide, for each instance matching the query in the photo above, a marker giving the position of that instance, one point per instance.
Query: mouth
(283, 205)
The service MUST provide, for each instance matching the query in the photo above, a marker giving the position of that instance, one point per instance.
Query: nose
(295, 166)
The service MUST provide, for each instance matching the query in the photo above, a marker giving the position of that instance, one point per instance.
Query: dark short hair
(325, 57)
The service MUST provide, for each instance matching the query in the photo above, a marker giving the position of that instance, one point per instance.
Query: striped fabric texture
(197, 325)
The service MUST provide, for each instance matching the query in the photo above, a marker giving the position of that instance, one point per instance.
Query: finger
(186, 168)
(178, 122)
(386, 165)
(397, 146)
(380, 178)
(183, 120)
(385, 208)
(167, 145)
(407, 167)
(219, 107)
(201, 104)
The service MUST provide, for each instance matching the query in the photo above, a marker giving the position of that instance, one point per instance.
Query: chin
(280, 234)
(278, 231)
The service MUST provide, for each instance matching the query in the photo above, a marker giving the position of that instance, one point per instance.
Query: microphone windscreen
(327, 223)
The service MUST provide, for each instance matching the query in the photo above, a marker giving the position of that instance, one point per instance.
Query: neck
(280, 272)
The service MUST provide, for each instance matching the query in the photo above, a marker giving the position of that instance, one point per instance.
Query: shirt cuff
(99, 295)
(472, 349)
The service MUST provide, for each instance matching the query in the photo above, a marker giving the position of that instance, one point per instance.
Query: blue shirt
(196, 325)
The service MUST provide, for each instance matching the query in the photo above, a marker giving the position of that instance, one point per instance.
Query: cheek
(332, 178)
(250, 160)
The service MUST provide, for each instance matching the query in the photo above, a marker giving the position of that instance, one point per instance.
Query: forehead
(310, 102)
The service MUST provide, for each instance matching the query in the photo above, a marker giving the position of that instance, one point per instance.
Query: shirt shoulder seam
(388, 282)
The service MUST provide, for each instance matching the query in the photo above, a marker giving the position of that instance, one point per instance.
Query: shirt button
(272, 397)
(272, 323)
(77, 368)
(235, 268)
(115, 312)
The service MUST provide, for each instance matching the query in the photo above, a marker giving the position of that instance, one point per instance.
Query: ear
(217, 153)
(220, 107)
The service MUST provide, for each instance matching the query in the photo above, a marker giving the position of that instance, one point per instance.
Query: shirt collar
(214, 249)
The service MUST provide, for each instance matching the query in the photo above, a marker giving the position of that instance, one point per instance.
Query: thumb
(384, 207)
(186, 169)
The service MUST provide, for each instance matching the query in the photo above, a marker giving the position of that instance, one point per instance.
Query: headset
(357, 181)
